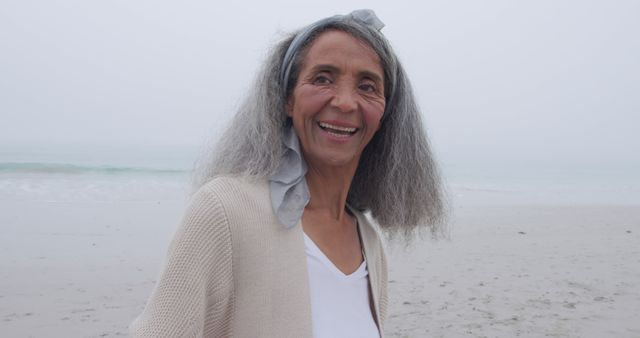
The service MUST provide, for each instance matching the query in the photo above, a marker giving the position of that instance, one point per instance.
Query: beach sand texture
(523, 271)
(84, 266)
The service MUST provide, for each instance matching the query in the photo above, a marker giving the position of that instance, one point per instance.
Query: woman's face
(338, 99)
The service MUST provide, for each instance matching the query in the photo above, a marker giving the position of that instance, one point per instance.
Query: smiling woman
(338, 100)
(276, 242)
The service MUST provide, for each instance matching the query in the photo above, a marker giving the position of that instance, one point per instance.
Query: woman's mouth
(338, 131)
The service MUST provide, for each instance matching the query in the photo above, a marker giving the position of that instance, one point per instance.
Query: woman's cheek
(373, 112)
(318, 94)
(319, 99)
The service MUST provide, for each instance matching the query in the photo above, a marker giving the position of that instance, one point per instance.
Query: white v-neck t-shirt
(339, 303)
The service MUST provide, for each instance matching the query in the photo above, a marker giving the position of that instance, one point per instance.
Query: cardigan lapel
(368, 236)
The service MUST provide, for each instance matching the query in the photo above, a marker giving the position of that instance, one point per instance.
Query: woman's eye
(320, 79)
(367, 87)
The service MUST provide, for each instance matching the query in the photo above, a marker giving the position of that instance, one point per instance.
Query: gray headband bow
(365, 17)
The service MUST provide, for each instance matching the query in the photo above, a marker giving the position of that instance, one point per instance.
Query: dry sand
(523, 271)
(85, 269)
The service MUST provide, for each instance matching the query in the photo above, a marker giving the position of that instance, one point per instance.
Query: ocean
(143, 173)
(96, 174)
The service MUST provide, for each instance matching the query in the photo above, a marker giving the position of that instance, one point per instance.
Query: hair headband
(365, 17)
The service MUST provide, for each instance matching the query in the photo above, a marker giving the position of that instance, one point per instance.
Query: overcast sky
(525, 80)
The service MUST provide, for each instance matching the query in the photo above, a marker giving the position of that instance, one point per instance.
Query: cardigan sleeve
(194, 295)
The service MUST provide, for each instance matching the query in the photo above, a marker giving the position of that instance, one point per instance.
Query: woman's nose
(344, 99)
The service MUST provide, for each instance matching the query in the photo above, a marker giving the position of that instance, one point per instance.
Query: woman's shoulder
(230, 186)
(233, 191)
(237, 197)
(222, 207)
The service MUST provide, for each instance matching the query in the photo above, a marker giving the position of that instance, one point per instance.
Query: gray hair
(397, 179)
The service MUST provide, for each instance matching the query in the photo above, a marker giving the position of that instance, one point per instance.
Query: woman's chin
(334, 160)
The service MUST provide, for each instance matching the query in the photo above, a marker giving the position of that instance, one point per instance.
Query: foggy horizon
(536, 82)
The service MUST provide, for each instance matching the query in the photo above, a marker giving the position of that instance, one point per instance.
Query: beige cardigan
(233, 270)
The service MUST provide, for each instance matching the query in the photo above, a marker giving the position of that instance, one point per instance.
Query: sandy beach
(536, 271)
(83, 266)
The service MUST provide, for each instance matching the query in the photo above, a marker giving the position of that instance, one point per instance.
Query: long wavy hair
(397, 179)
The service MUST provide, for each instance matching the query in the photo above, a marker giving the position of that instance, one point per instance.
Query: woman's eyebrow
(325, 67)
(333, 69)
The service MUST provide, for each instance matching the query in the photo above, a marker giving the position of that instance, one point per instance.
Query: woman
(275, 242)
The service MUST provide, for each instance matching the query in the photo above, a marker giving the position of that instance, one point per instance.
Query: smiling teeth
(330, 126)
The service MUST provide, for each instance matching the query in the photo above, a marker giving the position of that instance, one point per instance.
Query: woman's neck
(329, 189)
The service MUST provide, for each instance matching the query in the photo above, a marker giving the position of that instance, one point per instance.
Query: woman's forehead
(338, 49)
